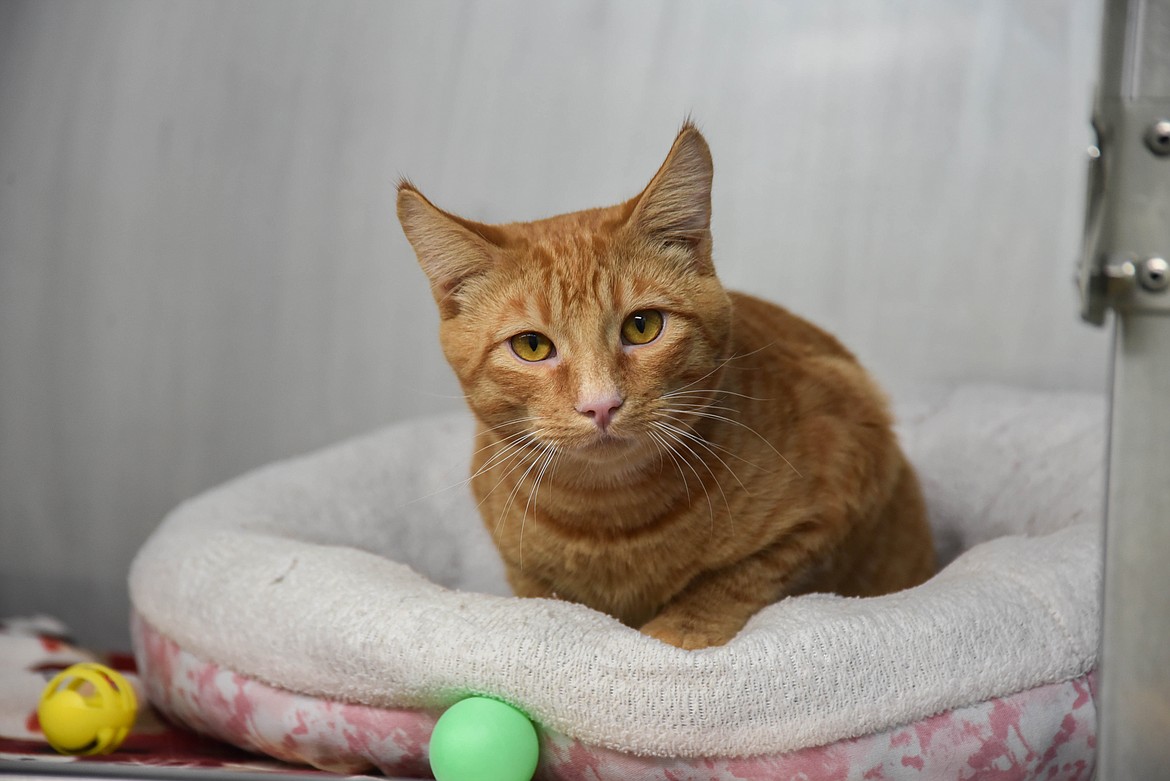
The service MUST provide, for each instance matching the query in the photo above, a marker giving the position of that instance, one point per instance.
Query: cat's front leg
(690, 632)
(696, 623)
(716, 605)
(526, 585)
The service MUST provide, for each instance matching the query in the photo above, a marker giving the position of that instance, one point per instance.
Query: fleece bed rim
(231, 579)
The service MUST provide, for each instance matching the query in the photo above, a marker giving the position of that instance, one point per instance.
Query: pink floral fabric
(1048, 732)
(32, 652)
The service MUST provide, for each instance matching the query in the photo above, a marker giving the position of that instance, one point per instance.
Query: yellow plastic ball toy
(87, 709)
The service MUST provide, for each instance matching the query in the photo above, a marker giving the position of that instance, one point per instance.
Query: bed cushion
(361, 577)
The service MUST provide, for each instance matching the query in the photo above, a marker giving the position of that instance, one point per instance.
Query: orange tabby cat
(649, 444)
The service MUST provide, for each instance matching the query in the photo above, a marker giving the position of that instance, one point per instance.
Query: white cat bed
(326, 609)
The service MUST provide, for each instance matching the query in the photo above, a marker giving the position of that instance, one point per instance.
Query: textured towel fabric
(362, 573)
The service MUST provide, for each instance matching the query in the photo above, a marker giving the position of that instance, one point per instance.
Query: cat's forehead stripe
(571, 287)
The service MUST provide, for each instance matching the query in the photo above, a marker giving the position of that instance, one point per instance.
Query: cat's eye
(642, 327)
(531, 346)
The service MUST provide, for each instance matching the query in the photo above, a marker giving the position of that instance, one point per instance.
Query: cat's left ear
(675, 208)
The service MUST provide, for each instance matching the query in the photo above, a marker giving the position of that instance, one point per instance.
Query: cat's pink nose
(601, 410)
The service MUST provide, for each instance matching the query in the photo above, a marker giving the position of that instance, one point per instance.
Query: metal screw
(1158, 137)
(1154, 274)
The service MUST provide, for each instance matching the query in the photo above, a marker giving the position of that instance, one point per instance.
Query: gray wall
(200, 269)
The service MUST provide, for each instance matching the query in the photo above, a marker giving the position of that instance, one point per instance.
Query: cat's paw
(685, 635)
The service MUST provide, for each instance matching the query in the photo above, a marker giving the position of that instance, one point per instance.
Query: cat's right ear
(449, 249)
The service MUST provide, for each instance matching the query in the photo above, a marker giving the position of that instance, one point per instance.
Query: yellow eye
(642, 327)
(531, 347)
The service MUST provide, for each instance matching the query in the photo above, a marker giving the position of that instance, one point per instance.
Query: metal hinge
(1124, 265)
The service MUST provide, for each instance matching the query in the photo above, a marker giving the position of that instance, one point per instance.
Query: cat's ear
(449, 249)
(675, 208)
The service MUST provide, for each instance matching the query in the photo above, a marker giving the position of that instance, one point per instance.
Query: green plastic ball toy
(481, 739)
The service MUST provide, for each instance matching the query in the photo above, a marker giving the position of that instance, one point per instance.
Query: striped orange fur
(680, 485)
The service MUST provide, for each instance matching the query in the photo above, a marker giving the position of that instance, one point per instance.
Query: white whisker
(664, 447)
(723, 362)
(512, 422)
(666, 430)
(758, 435)
(516, 488)
(703, 391)
(511, 446)
(552, 453)
(510, 442)
(518, 457)
(692, 405)
(710, 448)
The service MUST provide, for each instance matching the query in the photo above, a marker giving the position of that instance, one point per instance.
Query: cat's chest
(625, 580)
(644, 563)
(621, 547)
